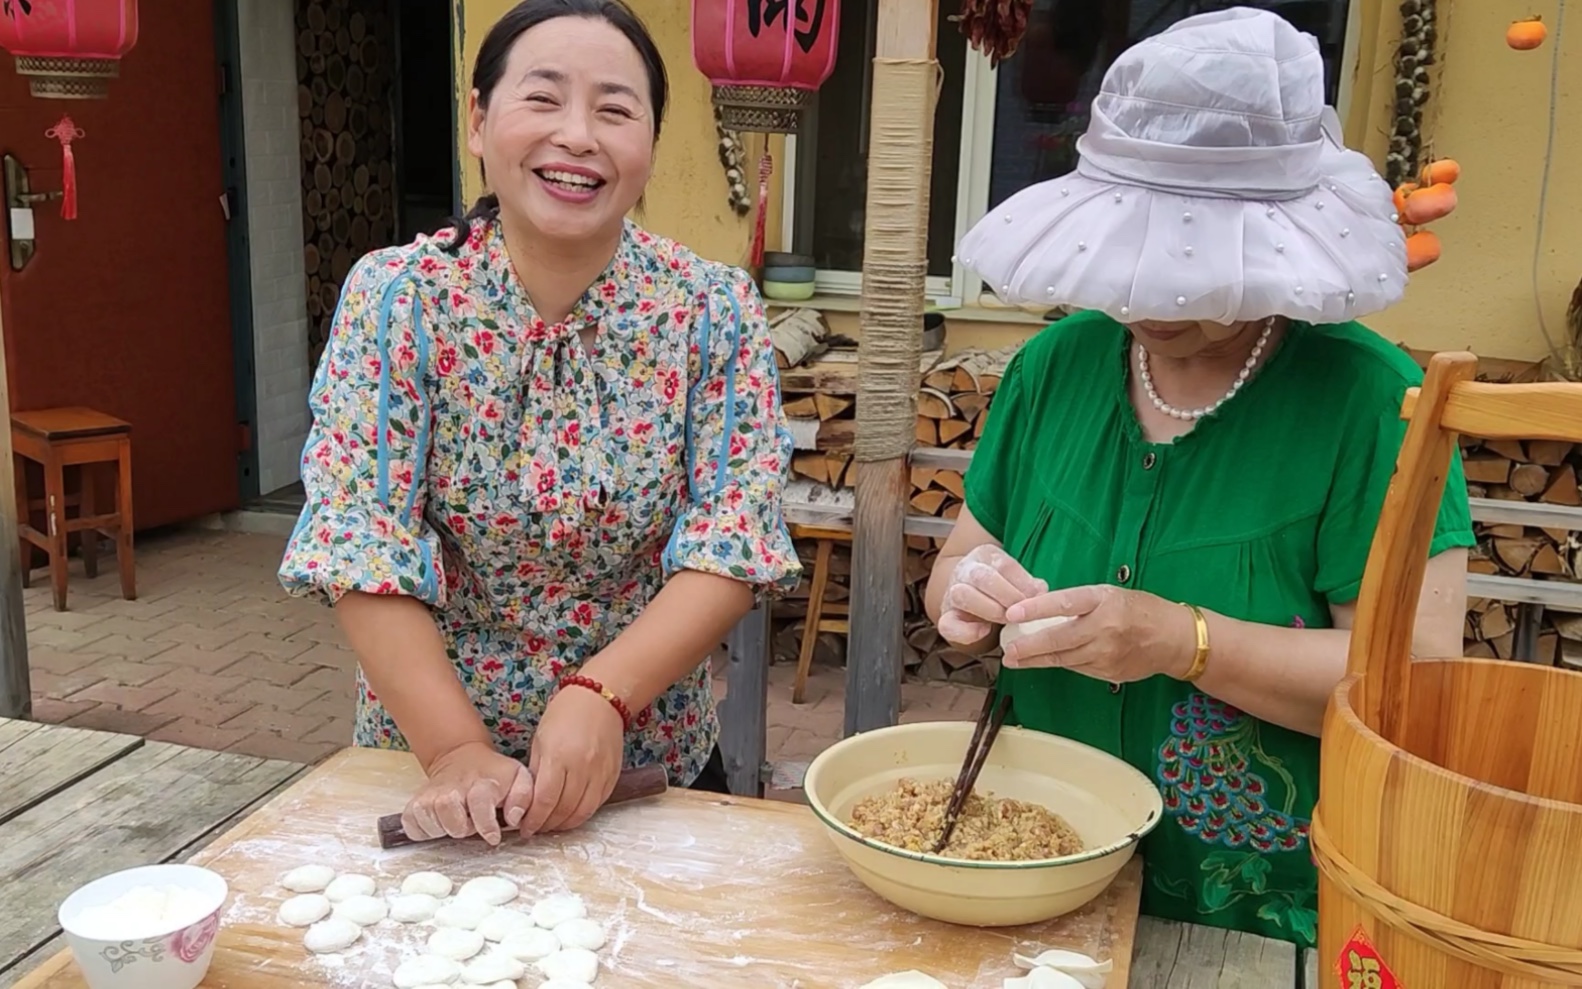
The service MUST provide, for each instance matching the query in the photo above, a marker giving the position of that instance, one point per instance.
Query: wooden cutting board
(695, 889)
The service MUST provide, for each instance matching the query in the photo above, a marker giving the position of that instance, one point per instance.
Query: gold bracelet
(1199, 658)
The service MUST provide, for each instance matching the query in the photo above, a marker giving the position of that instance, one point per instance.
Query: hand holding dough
(1020, 630)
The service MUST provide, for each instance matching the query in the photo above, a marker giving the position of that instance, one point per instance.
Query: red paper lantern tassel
(766, 167)
(65, 132)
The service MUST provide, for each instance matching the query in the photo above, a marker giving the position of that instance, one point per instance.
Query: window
(995, 131)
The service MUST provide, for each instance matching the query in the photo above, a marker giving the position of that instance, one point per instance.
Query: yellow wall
(1489, 111)
(687, 195)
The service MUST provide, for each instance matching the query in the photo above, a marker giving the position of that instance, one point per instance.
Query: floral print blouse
(535, 493)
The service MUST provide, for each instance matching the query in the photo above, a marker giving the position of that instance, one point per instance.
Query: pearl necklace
(1195, 414)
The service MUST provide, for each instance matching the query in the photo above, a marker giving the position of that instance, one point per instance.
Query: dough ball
(905, 980)
(463, 914)
(364, 911)
(435, 884)
(576, 964)
(496, 966)
(503, 923)
(455, 943)
(565, 984)
(581, 933)
(506, 984)
(349, 885)
(426, 970)
(304, 909)
(531, 946)
(552, 911)
(413, 908)
(493, 890)
(308, 878)
(335, 934)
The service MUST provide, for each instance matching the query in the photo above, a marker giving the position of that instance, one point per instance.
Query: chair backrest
(1449, 403)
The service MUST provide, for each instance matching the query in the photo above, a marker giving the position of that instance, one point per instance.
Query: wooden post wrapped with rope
(894, 269)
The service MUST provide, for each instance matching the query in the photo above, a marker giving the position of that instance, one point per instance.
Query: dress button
(1123, 574)
(1149, 460)
(1115, 688)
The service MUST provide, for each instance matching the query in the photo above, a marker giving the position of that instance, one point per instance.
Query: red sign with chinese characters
(785, 43)
(1360, 967)
(91, 29)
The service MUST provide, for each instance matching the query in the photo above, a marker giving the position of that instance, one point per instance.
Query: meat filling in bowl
(990, 829)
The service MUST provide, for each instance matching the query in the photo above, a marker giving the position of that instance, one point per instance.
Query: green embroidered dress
(1264, 512)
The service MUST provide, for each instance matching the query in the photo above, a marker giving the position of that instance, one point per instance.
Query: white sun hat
(1212, 185)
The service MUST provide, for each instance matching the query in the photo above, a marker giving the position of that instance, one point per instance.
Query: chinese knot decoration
(68, 49)
(66, 132)
(766, 58)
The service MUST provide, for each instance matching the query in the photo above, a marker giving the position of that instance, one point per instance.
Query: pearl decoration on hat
(1180, 300)
(1242, 377)
(1117, 197)
(1065, 191)
(1082, 245)
(1186, 217)
(1188, 250)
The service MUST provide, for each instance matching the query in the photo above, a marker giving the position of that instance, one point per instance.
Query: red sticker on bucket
(1360, 967)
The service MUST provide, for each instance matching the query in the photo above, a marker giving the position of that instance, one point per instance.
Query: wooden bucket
(1448, 835)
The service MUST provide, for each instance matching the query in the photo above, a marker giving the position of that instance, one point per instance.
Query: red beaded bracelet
(588, 683)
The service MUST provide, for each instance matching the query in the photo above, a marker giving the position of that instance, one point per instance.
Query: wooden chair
(840, 623)
(83, 438)
(1450, 795)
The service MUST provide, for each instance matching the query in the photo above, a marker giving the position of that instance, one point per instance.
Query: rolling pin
(632, 784)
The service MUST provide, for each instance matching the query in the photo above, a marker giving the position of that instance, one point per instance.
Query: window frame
(976, 156)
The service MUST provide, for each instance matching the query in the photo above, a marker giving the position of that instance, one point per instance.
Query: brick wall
(274, 211)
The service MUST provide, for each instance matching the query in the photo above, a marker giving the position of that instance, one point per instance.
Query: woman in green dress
(1189, 469)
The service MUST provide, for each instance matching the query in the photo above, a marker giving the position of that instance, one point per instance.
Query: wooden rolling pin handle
(632, 784)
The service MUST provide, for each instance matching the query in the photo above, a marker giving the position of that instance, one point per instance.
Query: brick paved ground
(213, 654)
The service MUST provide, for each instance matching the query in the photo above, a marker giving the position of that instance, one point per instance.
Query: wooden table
(77, 804)
(694, 888)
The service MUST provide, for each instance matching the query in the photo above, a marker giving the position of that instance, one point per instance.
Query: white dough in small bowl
(435, 884)
(576, 964)
(580, 932)
(304, 909)
(455, 943)
(413, 908)
(364, 911)
(349, 885)
(554, 910)
(463, 914)
(426, 970)
(327, 936)
(531, 946)
(308, 878)
(493, 890)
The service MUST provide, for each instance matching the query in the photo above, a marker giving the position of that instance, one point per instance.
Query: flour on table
(143, 911)
(413, 908)
(532, 945)
(552, 911)
(364, 911)
(308, 878)
(504, 922)
(496, 966)
(577, 964)
(426, 970)
(304, 909)
(335, 934)
(347, 886)
(580, 932)
(463, 914)
(565, 984)
(455, 943)
(435, 884)
(905, 980)
(493, 890)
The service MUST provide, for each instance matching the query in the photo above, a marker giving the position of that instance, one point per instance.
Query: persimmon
(1427, 205)
(1445, 170)
(1422, 249)
(1526, 35)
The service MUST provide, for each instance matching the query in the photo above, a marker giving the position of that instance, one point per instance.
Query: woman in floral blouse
(545, 467)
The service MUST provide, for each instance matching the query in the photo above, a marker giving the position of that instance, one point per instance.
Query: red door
(127, 308)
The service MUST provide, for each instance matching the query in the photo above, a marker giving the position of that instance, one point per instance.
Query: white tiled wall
(274, 214)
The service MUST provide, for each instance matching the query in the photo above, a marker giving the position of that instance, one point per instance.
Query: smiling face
(567, 136)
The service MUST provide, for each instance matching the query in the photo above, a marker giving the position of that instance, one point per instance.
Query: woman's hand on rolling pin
(982, 585)
(465, 787)
(1116, 635)
(575, 760)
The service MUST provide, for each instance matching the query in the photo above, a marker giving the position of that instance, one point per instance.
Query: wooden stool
(816, 605)
(82, 438)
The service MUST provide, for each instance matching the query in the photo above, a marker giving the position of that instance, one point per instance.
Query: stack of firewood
(1535, 471)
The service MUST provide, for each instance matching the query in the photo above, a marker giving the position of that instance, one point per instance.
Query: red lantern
(765, 58)
(68, 49)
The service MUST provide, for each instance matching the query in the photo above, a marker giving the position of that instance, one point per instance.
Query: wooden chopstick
(990, 720)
